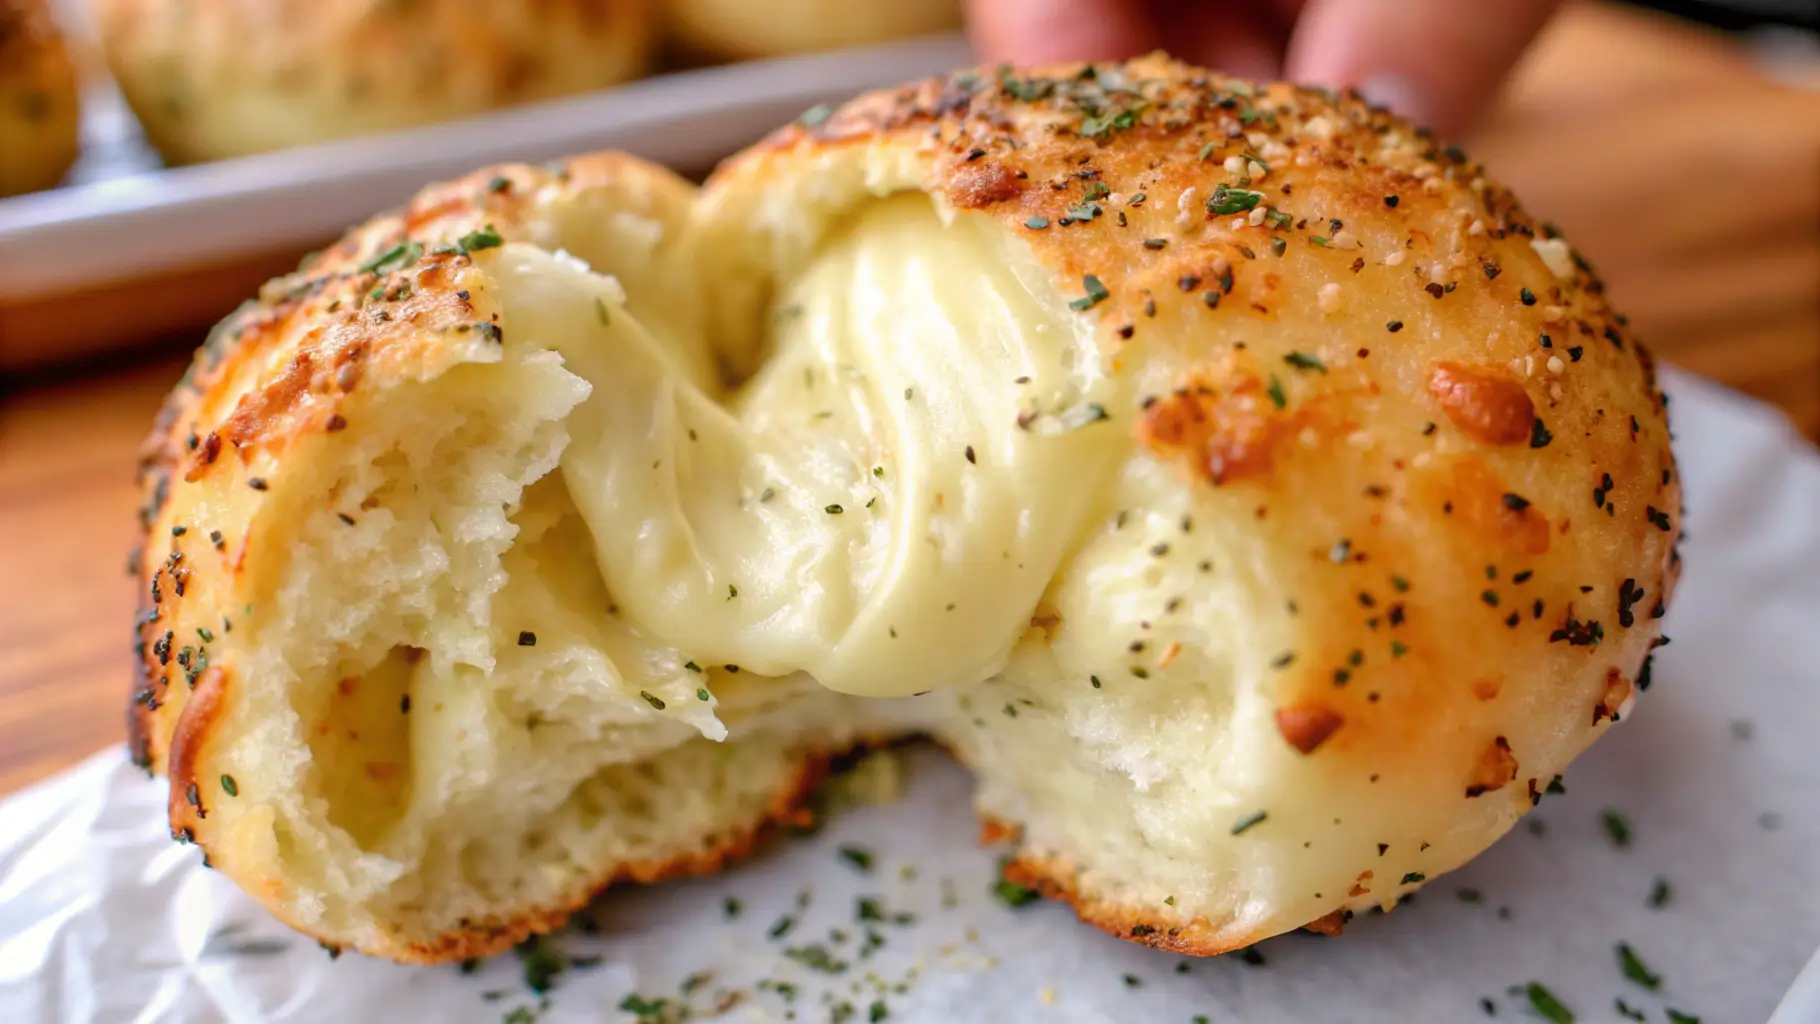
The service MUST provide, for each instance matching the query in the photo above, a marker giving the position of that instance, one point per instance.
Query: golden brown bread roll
(215, 80)
(1259, 502)
(738, 30)
(39, 104)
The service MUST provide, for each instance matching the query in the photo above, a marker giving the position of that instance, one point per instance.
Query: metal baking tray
(129, 249)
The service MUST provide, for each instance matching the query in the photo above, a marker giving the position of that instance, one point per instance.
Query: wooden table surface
(1689, 180)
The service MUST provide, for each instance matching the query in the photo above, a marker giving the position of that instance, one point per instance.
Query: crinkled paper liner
(103, 919)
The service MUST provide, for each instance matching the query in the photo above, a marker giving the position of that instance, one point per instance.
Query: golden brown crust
(1306, 726)
(187, 749)
(281, 367)
(1221, 436)
(1488, 405)
(211, 81)
(1090, 148)
(789, 805)
(1497, 768)
(273, 372)
(1056, 879)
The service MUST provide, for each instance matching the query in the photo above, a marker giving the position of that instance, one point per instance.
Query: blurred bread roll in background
(740, 29)
(39, 109)
(210, 81)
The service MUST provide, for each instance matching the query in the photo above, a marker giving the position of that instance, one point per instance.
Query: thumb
(1437, 62)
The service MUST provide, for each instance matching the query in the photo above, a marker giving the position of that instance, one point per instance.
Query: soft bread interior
(471, 725)
(564, 607)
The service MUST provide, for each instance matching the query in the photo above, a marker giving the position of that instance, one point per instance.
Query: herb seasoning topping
(1249, 821)
(1096, 294)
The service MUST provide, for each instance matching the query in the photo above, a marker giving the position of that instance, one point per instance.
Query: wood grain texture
(67, 328)
(67, 454)
(1691, 183)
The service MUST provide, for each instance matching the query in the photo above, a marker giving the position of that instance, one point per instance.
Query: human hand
(1437, 62)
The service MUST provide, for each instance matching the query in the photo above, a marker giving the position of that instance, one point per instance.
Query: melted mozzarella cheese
(883, 506)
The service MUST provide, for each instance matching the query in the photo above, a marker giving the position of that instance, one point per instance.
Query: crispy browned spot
(425, 211)
(1617, 691)
(1479, 499)
(1487, 405)
(1330, 923)
(977, 185)
(194, 724)
(1495, 770)
(267, 414)
(1486, 689)
(1306, 726)
(1224, 436)
(205, 456)
(260, 408)
(1059, 880)
(1528, 527)
(993, 831)
(1359, 888)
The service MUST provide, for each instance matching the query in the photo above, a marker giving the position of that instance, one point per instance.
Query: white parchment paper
(1717, 774)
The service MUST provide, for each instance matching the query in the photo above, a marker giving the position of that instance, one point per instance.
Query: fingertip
(1228, 37)
(1039, 31)
(1399, 95)
(1437, 62)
